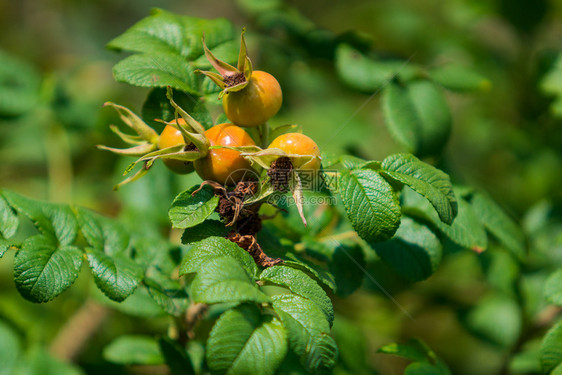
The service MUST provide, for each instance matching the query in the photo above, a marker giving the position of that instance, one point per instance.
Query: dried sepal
(229, 78)
(175, 152)
(264, 158)
(192, 131)
(243, 149)
(135, 123)
(194, 124)
(140, 173)
(266, 190)
(139, 150)
(127, 138)
(296, 191)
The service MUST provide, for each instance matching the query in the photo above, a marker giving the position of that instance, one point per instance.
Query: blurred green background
(506, 140)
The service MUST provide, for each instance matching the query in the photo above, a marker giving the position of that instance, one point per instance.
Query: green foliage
(417, 116)
(458, 78)
(199, 232)
(157, 106)
(43, 270)
(10, 348)
(214, 248)
(19, 86)
(425, 361)
(370, 75)
(222, 280)
(301, 284)
(553, 288)
(117, 276)
(400, 116)
(414, 252)
(308, 331)
(466, 230)
(497, 319)
(134, 350)
(188, 210)
(145, 350)
(426, 180)
(243, 341)
(499, 224)
(47, 264)
(176, 357)
(551, 84)
(371, 204)
(38, 361)
(392, 222)
(17, 359)
(551, 350)
(169, 50)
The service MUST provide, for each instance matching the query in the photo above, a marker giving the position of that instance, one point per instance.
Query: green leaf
(553, 288)
(244, 342)
(352, 345)
(4, 246)
(19, 86)
(434, 116)
(208, 228)
(347, 264)
(414, 252)
(425, 359)
(551, 84)
(551, 349)
(170, 50)
(168, 294)
(400, 117)
(417, 116)
(102, 233)
(133, 350)
(117, 276)
(160, 70)
(214, 247)
(157, 106)
(222, 280)
(300, 283)
(466, 231)
(139, 304)
(10, 349)
(497, 319)
(43, 269)
(370, 203)
(499, 224)
(527, 360)
(312, 269)
(308, 331)
(434, 184)
(458, 78)
(37, 360)
(351, 162)
(368, 75)
(166, 32)
(413, 350)
(54, 220)
(424, 368)
(176, 357)
(502, 270)
(189, 210)
(8, 220)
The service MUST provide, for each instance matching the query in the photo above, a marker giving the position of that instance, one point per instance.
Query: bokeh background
(506, 140)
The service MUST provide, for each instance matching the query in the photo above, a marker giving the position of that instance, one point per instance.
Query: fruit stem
(264, 135)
